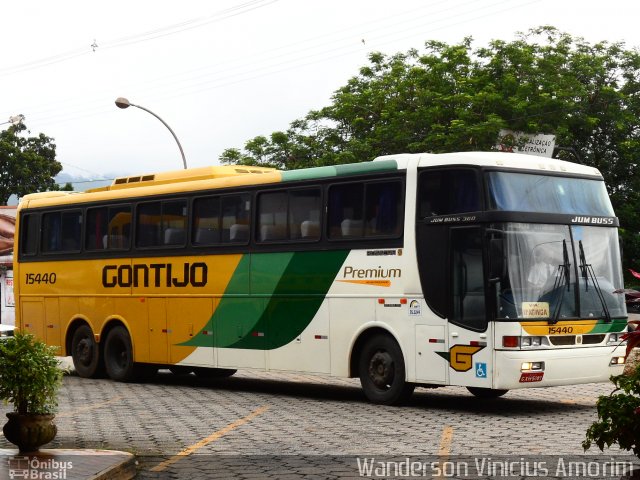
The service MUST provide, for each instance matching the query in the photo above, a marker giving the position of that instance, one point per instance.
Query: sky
(222, 72)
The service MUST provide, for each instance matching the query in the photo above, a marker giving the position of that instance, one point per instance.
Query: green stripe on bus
(616, 325)
(281, 306)
(339, 170)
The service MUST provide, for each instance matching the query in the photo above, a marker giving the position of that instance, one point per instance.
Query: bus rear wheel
(382, 371)
(486, 392)
(85, 353)
(118, 357)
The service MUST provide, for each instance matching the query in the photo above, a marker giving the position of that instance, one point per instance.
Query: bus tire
(204, 372)
(382, 371)
(486, 392)
(85, 353)
(118, 356)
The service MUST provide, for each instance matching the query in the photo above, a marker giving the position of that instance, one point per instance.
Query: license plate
(529, 377)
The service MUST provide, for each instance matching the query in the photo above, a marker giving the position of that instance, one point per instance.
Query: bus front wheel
(486, 392)
(118, 356)
(382, 371)
(85, 352)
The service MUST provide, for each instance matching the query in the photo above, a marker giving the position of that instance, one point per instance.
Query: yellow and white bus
(487, 270)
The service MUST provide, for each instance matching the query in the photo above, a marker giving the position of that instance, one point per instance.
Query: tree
(27, 164)
(456, 98)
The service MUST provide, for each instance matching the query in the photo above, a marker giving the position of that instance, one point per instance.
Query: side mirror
(497, 264)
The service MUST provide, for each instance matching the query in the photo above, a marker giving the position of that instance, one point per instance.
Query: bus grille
(564, 340)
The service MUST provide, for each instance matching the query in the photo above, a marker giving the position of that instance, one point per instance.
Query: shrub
(619, 413)
(29, 374)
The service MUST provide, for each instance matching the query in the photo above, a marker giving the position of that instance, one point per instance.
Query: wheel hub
(381, 369)
(84, 351)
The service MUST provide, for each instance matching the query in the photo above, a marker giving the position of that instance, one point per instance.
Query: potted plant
(619, 413)
(29, 379)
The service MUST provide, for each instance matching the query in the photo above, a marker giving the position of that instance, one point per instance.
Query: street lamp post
(122, 102)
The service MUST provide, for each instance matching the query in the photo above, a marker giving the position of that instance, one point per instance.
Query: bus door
(470, 338)
(449, 248)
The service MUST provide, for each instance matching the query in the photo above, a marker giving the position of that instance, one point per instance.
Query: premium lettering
(155, 275)
(365, 273)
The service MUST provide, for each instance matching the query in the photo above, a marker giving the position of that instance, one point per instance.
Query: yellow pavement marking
(445, 441)
(211, 438)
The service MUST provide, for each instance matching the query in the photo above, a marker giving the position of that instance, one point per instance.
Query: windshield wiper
(563, 275)
(587, 272)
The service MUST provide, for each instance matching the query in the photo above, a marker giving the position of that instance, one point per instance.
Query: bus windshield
(560, 272)
(523, 192)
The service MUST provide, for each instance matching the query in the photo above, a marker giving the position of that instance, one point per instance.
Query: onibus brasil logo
(38, 469)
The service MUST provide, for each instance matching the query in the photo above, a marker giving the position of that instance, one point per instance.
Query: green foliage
(27, 164)
(449, 98)
(618, 416)
(29, 374)
(67, 187)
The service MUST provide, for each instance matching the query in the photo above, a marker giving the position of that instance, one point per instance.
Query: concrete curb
(71, 464)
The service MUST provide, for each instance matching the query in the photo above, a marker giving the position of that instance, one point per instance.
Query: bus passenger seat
(351, 228)
(310, 229)
(238, 232)
(206, 236)
(273, 232)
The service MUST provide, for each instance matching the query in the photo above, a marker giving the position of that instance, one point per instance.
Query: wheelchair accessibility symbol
(481, 370)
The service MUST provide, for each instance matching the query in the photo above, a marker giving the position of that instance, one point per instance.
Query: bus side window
(174, 222)
(61, 231)
(383, 208)
(50, 237)
(304, 214)
(345, 210)
(148, 221)
(468, 307)
(445, 192)
(372, 209)
(29, 234)
(71, 231)
(272, 216)
(236, 211)
(96, 228)
(206, 221)
(118, 234)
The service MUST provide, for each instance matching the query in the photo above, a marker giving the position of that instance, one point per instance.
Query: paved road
(185, 427)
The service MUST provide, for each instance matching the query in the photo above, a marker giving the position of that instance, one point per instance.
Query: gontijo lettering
(155, 275)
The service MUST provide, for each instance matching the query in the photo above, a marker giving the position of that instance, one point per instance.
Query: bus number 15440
(39, 278)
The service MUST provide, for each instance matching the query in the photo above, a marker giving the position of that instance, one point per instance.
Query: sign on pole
(528, 143)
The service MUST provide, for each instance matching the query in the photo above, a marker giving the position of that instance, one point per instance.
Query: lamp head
(122, 102)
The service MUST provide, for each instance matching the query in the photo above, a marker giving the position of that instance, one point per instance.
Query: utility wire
(218, 81)
(143, 37)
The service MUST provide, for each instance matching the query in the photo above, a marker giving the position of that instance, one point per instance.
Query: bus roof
(493, 159)
(204, 178)
(215, 177)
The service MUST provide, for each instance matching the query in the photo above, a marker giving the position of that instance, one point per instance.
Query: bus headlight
(615, 337)
(513, 341)
(531, 341)
(616, 361)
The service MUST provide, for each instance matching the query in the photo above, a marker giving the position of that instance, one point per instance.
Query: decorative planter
(632, 361)
(29, 432)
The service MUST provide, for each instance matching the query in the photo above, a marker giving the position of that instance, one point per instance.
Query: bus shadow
(423, 398)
